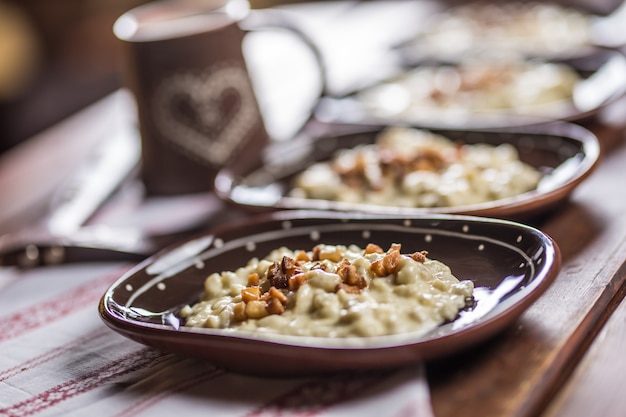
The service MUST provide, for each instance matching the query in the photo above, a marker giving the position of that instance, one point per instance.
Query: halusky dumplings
(333, 291)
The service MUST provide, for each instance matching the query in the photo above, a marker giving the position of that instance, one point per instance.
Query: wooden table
(563, 358)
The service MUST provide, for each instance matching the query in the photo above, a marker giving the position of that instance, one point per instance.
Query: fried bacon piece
(350, 289)
(283, 275)
(278, 273)
(373, 248)
(347, 273)
(419, 256)
(388, 264)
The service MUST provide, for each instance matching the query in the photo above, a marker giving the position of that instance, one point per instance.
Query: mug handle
(273, 19)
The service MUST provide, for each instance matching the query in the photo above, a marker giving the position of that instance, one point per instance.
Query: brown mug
(197, 110)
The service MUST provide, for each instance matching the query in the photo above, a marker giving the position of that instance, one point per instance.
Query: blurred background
(58, 56)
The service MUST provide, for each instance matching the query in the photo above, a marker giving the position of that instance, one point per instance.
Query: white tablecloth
(57, 358)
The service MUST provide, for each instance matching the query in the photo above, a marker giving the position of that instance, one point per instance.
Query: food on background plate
(408, 167)
(333, 291)
(528, 28)
(475, 87)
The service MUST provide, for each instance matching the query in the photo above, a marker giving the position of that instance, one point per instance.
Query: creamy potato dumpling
(477, 86)
(333, 291)
(415, 168)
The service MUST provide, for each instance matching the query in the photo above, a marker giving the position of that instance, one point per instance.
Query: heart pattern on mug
(206, 115)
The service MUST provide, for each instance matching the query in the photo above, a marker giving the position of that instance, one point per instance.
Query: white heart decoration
(206, 131)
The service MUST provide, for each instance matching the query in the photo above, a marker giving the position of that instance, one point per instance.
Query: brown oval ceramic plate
(510, 264)
(565, 153)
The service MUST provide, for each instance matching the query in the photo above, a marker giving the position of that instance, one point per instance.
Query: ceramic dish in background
(510, 264)
(563, 152)
(529, 28)
(414, 95)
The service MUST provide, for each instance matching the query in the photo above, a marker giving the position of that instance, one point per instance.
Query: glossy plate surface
(510, 264)
(563, 152)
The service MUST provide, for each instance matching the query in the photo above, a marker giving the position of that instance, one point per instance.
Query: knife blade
(94, 182)
(76, 201)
